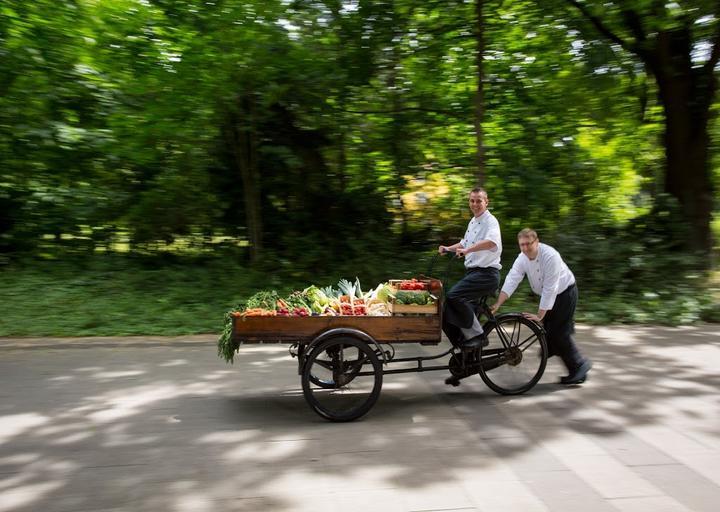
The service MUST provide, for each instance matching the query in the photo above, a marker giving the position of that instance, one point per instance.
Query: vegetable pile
(412, 284)
(344, 299)
(420, 298)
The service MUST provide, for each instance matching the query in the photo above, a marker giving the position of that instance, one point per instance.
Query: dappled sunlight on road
(21, 494)
(173, 428)
(13, 425)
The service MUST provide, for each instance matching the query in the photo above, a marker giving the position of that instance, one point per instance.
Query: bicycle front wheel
(342, 378)
(514, 359)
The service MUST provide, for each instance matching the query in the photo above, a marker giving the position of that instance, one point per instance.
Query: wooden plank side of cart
(384, 329)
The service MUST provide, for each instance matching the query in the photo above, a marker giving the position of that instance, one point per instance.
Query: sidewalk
(162, 424)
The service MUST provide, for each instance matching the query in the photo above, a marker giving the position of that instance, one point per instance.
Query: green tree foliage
(679, 47)
(306, 131)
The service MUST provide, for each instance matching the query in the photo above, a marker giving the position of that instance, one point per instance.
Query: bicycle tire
(516, 356)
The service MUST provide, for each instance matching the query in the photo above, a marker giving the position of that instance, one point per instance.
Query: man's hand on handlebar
(459, 252)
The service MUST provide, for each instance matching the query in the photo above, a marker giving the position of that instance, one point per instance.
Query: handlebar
(433, 261)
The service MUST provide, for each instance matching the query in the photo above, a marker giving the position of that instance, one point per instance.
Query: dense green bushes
(171, 295)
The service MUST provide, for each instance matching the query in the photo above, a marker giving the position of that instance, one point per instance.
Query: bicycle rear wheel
(514, 359)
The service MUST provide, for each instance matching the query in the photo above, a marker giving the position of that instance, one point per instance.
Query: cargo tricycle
(342, 360)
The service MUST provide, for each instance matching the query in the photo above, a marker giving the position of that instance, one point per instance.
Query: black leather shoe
(475, 342)
(579, 375)
(452, 381)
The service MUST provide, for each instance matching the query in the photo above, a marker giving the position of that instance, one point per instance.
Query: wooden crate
(434, 286)
(295, 329)
(415, 309)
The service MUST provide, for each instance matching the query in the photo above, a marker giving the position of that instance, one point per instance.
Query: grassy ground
(120, 296)
(113, 296)
(110, 299)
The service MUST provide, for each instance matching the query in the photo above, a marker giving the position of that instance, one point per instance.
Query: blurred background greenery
(161, 160)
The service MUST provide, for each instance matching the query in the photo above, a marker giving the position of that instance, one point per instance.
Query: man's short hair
(479, 190)
(528, 233)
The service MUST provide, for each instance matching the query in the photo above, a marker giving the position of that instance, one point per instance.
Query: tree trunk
(479, 94)
(397, 154)
(397, 137)
(686, 94)
(244, 150)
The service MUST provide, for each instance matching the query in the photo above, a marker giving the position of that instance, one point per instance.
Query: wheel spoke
(532, 337)
(507, 339)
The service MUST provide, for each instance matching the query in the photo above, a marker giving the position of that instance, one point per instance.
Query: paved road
(158, 424)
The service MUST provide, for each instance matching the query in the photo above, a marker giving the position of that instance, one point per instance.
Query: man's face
(478, 203)
(528, 246)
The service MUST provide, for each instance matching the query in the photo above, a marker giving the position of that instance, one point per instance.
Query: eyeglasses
(527, 244)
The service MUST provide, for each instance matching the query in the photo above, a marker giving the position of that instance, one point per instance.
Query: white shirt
(547, 273)
(484, 227)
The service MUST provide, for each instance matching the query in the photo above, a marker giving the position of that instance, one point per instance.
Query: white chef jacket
(484, 227)
(547, 273)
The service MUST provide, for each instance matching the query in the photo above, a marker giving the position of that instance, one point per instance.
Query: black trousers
(459, 311)
(559, 325)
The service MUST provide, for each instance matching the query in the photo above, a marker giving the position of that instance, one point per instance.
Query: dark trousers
(559, 325)
(458, 311)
